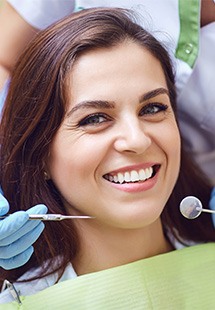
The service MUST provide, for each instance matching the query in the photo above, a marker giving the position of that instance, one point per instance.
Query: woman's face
(116, 155)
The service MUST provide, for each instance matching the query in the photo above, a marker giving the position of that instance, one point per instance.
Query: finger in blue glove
(20, 245)
(18, 260)
(17, 234)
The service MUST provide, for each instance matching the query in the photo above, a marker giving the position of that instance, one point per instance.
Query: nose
(132, 137)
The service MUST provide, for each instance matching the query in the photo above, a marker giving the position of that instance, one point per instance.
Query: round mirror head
(191, 207)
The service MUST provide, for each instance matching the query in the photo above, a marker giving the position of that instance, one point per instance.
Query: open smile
(133, 176)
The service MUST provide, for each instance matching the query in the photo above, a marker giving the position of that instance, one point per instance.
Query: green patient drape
(182, 279)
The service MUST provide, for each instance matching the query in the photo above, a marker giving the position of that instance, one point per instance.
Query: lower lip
(137, 186)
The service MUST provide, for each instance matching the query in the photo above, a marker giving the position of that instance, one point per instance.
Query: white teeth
(120, 177)
(142, 175)
(115, 178)
(127, 177)
(148, 172)
(132, 176)
(110, 178)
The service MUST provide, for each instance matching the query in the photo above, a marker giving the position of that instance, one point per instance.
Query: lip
(133, 167)
(135, 187)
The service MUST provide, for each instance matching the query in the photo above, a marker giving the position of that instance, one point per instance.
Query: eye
(153, 108)
(94, 119)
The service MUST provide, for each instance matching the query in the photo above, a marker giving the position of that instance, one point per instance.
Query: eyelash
(160, 107)
(90, 119)
(87, 120)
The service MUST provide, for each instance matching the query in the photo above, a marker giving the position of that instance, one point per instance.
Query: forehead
(106, 70)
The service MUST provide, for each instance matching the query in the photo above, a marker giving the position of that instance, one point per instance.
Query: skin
(15, 34)
(115, 121)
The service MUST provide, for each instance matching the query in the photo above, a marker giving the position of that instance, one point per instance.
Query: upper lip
(133, 167)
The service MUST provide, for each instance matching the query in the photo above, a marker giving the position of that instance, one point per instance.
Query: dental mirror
(191, 207)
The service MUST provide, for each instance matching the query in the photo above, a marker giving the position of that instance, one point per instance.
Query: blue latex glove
(17, 234)
(212, 204)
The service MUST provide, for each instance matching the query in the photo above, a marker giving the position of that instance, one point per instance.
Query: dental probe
(53, 217)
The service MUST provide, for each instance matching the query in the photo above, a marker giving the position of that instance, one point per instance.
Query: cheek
(75, 173)
(172, 140)
(170, 135)
(172, 148)
(75, 162)
(169, 141)
(175, 141)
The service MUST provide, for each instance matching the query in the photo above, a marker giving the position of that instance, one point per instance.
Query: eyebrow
(102, 104)
(153, 93)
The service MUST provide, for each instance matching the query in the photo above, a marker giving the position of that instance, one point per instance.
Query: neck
(106, 248)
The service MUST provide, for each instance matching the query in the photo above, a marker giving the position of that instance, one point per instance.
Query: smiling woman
(90, 128)
(121, 109)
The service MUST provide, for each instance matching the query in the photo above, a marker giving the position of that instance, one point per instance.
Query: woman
(89, 128)
(187, 35)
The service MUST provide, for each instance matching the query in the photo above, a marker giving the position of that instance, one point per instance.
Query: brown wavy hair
(34, 109)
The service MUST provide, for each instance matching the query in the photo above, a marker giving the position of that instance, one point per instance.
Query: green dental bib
(179, 280)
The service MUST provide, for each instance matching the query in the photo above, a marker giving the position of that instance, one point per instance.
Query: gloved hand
(17, 234)
(212, 204)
